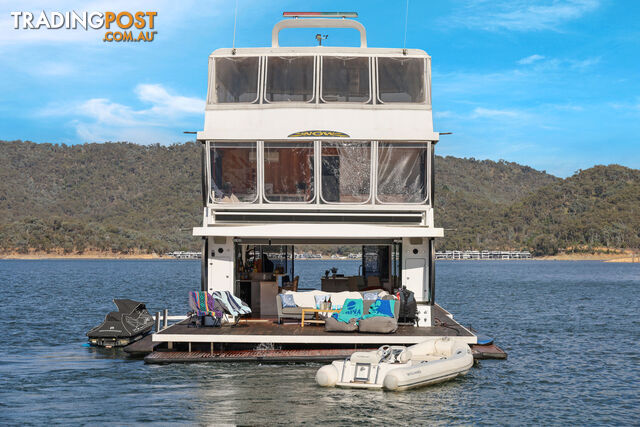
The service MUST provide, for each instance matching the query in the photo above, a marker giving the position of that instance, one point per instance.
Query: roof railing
(318, 20)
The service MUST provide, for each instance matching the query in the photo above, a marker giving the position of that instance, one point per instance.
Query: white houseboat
(317, 145)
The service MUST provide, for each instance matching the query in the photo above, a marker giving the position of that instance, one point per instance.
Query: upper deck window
(345, 79)
(236, 79)
(289, 79)
(234, 172)
(401, 80)
(402, 173)
(288, 172)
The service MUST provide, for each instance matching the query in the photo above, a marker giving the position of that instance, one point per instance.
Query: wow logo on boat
(122, 26)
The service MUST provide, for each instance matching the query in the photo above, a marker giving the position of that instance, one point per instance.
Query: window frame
(428, 168)
(321, 100)
(371, 174)
(315, 182)
(314, 94)
(427, 92)
(213, 98)
(210, 146)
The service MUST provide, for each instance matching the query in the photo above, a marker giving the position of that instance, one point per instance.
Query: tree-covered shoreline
(128, 198)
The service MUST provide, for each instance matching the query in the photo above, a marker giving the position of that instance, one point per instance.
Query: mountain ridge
(123, 197)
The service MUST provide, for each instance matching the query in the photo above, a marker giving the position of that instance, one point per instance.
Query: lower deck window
(234, 172)
(402, 173)
(346, 172)
(288, 172)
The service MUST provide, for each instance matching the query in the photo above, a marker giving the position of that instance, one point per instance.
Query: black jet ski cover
(131, 319)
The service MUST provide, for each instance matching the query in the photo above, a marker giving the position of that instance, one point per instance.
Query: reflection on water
(570, 328)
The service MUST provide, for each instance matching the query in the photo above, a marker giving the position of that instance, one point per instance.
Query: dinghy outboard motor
(130, 323)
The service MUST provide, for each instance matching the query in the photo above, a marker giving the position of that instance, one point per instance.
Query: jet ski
(130, 323)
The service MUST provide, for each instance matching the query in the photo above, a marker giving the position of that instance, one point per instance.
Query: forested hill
(124, 197)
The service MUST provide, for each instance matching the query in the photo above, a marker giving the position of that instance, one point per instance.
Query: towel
(352, 308)
(203, 304)
(232, 304)
(338, 298)
(381, 307)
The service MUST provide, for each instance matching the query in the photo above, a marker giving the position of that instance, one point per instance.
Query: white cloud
(489, 113)
(530, 59)
(522, 15)
(53, 69)
(100, 119)
(443, 114)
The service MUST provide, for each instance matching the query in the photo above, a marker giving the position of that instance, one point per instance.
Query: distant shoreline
(625, 257)
(87, 255)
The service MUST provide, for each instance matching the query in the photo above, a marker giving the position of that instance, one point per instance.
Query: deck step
(298, 355)
(141, 347)
(295, 355)
(490, 351)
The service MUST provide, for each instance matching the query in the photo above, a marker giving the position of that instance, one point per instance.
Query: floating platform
(287, 356)
(290, 342)
(270, 332)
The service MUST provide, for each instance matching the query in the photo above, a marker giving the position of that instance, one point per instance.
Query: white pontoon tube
(399, 368)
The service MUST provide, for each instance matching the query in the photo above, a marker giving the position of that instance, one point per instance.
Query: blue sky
(550, 84)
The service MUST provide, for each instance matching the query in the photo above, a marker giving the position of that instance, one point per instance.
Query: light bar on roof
(320, 14)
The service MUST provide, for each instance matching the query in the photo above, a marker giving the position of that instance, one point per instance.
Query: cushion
(380, 308)
(287, 301)
(338, 298)
(292, 310)
(378, 324)
(333, 325)
(368, 296)
(352, 308)
(306, 298)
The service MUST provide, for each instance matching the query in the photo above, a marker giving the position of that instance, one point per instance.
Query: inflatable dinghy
(399, 368)
(130, 323)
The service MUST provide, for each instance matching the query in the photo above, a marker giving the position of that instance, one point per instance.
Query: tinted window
(401, 79)
(289, 79)
(233, 172)
(288, 172)
(345, 79)
(346, 169)
(402, 173)
(236, 79)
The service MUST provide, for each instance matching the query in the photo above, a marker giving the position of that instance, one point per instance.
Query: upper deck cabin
(306, 134)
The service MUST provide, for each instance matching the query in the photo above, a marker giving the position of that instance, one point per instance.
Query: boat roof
(320, 50)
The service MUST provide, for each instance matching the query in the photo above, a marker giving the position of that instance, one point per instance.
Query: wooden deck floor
(292, 333)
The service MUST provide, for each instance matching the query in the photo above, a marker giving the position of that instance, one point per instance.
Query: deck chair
(205, 310)
(232, 305)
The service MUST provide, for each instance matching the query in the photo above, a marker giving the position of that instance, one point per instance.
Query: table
(316, 311)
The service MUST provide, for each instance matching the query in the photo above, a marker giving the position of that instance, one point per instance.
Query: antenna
(406, 21)
(235, 20)
(320, 37)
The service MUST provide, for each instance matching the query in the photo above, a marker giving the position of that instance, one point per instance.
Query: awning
(318, 231)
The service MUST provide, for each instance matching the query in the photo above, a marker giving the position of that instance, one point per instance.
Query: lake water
(571, 330)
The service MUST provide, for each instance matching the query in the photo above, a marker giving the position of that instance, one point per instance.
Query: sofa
(308, 300)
